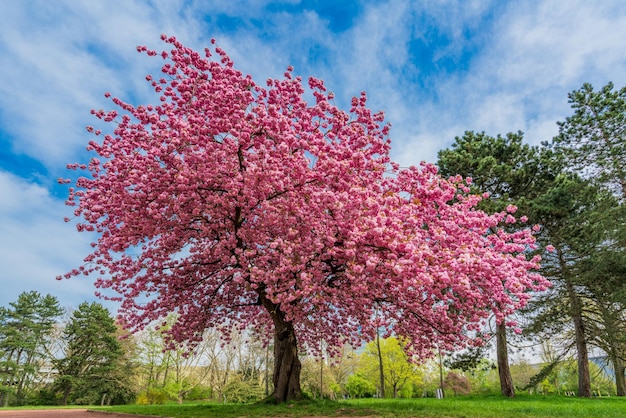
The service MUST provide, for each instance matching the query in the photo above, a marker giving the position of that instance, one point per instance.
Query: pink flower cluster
(225, 194)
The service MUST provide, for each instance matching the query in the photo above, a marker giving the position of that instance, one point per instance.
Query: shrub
(151, 397)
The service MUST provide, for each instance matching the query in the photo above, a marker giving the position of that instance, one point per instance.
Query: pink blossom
(229, 202)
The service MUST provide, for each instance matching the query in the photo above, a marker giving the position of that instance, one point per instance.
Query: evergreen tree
(95, 368)
(24, 328)
(593, 141)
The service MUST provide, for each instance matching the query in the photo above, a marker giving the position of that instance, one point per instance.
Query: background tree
(605, 308)
(231, 203)
(512, 173)
(594, 137)
(173, 371)
(566, 212)
(458, 383)
(95, 368)
(475, 365)
(359, 386)
(400, 370)
(24, 329)
(593, 140)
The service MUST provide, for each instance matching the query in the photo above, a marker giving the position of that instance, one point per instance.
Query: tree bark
(380, 366)
(620, 380)
(504, 371)
(584, 380)
(287, 365)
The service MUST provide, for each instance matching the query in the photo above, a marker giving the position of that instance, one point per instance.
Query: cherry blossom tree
(232, 203)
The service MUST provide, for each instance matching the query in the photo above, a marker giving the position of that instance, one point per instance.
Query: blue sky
(437, 69)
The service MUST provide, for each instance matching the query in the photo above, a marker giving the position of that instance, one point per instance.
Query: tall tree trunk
(504, 371)
(614, 349)
(620, 380)
(287, 365)
(381, 371)
(584, 380)
(441, 383)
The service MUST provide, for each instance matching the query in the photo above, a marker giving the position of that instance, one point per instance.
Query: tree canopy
(227, 202)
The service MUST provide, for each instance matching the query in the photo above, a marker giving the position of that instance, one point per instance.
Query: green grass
(470, 406)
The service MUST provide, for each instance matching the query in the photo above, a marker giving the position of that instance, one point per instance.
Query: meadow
(467, 406)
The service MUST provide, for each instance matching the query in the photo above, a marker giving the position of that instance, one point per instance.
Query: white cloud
(63, 56)
(534, 54)
(523, 59)
(36, 245)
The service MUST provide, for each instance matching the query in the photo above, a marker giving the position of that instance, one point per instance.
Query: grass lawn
(470, 406)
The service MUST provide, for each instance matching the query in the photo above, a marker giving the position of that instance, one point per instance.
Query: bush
(238, 390)
(199, 393)
(359, 387)
(459, 384)
(153, 396)
(44, 397)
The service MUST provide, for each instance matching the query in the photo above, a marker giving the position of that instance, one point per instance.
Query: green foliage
(200, 392)
(541, 378)
(242, 391)
(399, 371)
(25, 327)
(153, 396)
(594, 137)
(95, 368)
(360, 387)
(503, 166)
(468, 360)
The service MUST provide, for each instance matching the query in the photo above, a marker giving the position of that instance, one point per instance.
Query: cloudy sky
(436, 67)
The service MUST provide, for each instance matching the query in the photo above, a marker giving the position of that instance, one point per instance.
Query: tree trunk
(287, 365)
(504, 371)
(620, 381)
(380, 366)
(584, 380)
(66, 396)
(441, 383)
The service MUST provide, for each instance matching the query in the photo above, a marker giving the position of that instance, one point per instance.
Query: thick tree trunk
(584, 380)
(287, 365)
(620, 380)
(504, 371)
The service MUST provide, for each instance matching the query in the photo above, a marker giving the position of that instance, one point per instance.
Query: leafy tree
(358, 386)
(399, 369)
(317, 378)
(177, 370)
(95, 367)
(229, 203)
(24, 329)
